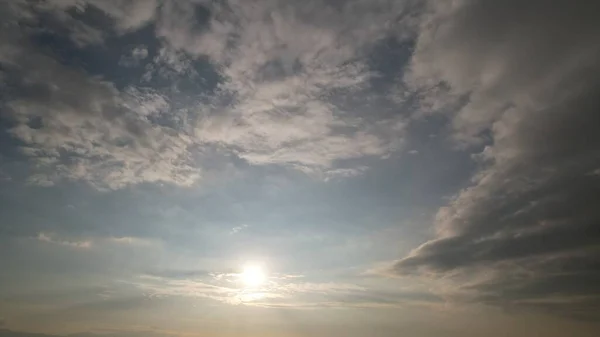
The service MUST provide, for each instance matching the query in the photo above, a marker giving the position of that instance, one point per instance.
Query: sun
(253, 276)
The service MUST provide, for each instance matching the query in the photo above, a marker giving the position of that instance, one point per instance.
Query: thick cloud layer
(528, 229)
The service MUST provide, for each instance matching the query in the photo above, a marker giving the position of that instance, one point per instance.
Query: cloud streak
(74, 244)
(279, 291)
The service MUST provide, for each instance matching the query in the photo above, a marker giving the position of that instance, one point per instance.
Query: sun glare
(253, 276)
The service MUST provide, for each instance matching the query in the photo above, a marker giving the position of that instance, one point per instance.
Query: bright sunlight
(253, 275)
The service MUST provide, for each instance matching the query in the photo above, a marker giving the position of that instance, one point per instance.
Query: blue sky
(419, 167)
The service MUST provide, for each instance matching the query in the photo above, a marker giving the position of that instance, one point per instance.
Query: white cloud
(321, 288)
(131, 241)
(238, 229)
(146, 102)
(44, 237)
(101, 243)
(344, 172)
(281, 67)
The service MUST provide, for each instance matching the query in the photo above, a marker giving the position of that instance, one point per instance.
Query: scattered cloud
(238, 229)
(78, 127)
(281, 68)
(344, 172)
(281, 72)
(134, 58)
(283, 112)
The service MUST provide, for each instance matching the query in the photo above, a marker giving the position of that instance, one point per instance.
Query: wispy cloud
(133, 241)
(97, 242)
(238, 229)
(279, 291)
(68, 243)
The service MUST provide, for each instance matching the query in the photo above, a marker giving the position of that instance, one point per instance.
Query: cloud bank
(525, 78)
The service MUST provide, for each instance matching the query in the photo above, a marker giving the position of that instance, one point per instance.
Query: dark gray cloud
(528, 73)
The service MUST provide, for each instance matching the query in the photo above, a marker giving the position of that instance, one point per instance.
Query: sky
(299, 168)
